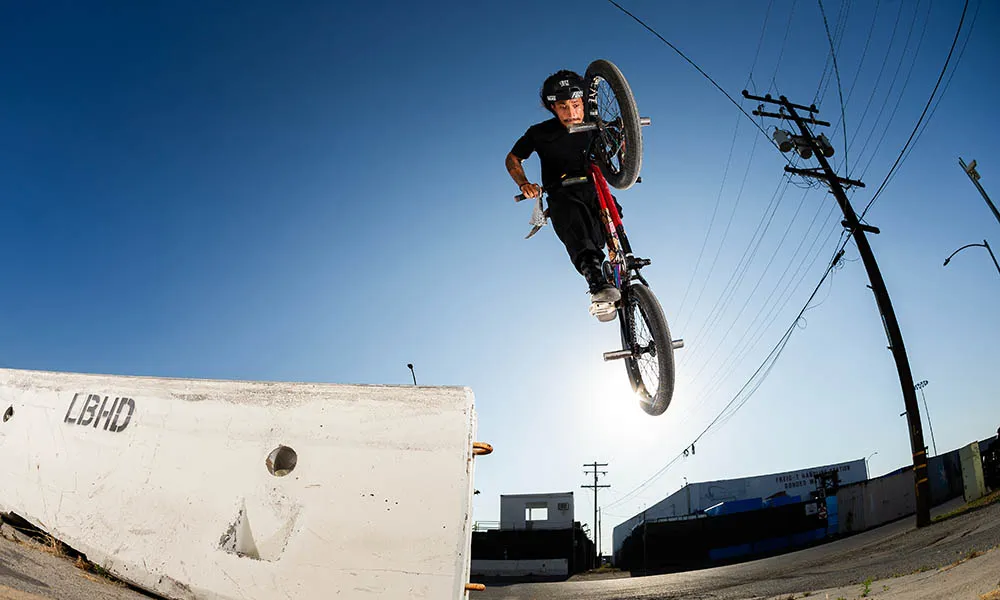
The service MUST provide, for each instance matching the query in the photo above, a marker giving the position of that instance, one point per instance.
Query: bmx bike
(615, 159)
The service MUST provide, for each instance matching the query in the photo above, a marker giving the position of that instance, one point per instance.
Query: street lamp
(866, 462)
(984, 245)
(410, 367)
(920, 386)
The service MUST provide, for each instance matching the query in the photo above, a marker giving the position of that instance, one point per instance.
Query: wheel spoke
(612, 137)
(643, 338)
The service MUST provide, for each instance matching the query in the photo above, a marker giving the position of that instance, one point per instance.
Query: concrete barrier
(553, 567)
(239, 490)
(973, 483)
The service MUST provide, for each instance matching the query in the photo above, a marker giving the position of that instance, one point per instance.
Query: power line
(699, 69)
(781, 51)
(742, 348)
(958, 61)
(864, 53)
(899, 158)
(730, 328)
(715, 314)
(902, 91)
(760, 41)
(725, 173)
(729, 223)
(711, 223)
(878, 78)
(836, 70)
(838, 34)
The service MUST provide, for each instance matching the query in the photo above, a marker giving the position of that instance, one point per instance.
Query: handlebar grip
(519, 197)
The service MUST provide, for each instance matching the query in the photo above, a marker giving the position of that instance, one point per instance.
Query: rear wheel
(645, 332)
(610, 103)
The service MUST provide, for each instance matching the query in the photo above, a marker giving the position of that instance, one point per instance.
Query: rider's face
(569, 111)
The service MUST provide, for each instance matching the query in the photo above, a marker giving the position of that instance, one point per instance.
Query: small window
(536, 514)
(536, 511)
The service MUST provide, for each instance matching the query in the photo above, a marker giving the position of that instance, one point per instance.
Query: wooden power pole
(807, 145)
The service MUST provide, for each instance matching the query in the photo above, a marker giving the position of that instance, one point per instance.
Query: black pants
(575, 215)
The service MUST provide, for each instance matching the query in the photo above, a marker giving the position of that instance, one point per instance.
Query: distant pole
(410, 366)
(600, 552)
(985, 244)
(920, 386)
(644, 562)
(595, 487)
(970, 170)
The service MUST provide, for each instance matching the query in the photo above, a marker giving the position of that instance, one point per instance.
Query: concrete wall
(513, 510)
(555, 567)
(174, 484)
(874, 502)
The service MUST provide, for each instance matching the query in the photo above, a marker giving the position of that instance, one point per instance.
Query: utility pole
(970, 170)
(600, 553)
(595, 487)
(806, 145)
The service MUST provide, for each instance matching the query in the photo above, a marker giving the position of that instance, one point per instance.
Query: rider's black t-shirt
(562, 154)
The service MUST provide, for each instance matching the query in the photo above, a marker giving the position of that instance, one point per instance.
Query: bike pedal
(600, 308)
(617, 354)
(677, 344)
(604, 311)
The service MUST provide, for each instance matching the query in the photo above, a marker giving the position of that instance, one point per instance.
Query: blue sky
(310, 193)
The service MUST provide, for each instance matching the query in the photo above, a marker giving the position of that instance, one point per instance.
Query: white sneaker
(603, 304)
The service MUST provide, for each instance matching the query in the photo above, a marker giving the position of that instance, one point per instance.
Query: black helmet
(562, 85)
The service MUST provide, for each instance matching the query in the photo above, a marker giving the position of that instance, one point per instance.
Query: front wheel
(645, 332)
(611, 105)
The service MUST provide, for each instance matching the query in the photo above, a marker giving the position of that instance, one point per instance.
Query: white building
(536, 511)
(696, 497)
(537, 538)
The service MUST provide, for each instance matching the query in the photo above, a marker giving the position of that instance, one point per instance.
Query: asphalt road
(927, 556)
(936, 562)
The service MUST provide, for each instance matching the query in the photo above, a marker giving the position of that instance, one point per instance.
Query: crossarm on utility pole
(821, 175)
(761, 113)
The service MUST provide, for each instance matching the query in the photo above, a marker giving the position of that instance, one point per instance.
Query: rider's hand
(531, 190)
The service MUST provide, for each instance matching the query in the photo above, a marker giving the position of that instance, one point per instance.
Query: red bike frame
(614, 230)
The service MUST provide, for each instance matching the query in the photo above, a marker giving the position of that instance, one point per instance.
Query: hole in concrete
(281, 461)
(8, 414)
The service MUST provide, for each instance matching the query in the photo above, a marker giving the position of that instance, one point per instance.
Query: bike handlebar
(547, 189)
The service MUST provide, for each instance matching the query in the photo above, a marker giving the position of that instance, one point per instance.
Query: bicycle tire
(655, 401)
(629, 156)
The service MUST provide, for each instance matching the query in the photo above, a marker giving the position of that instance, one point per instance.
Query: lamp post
(970, 170)
(866, 463)
(984, 245)
(410, 367)
(920, 386)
